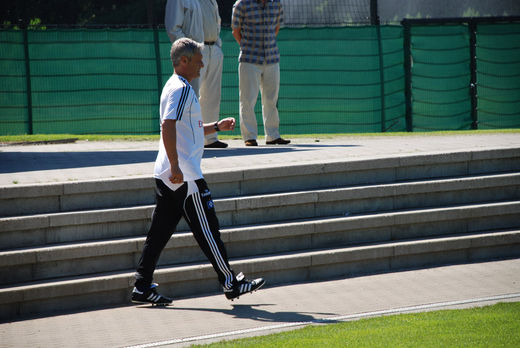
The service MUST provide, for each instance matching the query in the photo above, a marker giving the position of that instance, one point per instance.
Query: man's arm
(236, 21)
(169, 138)
(237, 34)
(279, 20)
(174, 19)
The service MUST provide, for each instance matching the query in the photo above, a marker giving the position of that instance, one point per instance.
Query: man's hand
(177, 177)
(226, 124)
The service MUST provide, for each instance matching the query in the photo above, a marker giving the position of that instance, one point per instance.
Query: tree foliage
(20, 13)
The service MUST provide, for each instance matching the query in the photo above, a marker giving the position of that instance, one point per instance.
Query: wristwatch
(215, 126)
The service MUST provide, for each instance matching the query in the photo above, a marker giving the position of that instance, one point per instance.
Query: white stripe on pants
(219, 260)
(252, 79)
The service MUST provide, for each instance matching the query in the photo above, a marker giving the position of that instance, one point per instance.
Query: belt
(210, 42)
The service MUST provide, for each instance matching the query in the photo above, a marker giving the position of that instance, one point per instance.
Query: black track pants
(198, 210)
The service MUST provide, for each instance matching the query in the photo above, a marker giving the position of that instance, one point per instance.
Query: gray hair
(184, 47)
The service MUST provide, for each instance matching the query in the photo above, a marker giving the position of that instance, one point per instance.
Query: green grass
(113, 137)
(491, 326)
(89, 137)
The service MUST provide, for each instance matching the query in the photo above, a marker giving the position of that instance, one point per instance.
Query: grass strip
(491, 326)
(53, 138)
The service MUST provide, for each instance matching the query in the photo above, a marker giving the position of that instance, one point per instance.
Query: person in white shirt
(200, 21)
(181, 190)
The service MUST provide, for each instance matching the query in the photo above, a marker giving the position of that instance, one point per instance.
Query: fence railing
(414, 77)
(462, 73)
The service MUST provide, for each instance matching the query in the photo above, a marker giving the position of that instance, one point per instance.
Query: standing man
(255, 26)
(199, 20)
(181, 190)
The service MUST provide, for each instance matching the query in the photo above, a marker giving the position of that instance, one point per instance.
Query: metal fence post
(157, 64)
(374, 17)
(407, 74)
(374, 20)
(157, 59)
(472, 27)
(28, 82)
(381, 78)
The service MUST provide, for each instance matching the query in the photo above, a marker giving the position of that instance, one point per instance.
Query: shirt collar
(183, 79)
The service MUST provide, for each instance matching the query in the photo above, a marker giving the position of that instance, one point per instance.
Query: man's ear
(184, 60)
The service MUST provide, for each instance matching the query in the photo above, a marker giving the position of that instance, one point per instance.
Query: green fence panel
(498, 75)
(14, 115)
(440, 77)
(229, 105)
(93, 81)
(393, 77)
(331, 81)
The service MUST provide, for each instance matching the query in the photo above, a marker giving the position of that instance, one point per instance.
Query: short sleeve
(176, 102)
(236, 16)
(280, 15)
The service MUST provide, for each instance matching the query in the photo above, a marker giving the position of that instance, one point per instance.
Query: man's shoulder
(248, 2)
(278, 3)
(244, 3)
(177, 85)
(177, 81)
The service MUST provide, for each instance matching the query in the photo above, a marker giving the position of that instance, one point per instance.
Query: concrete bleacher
(74, 245)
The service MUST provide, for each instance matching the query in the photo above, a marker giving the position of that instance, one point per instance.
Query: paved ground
(210, 318)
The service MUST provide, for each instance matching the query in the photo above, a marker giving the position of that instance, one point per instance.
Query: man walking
(200, 21)
(255, 26)
(181, 190)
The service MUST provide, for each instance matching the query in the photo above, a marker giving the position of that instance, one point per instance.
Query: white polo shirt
(179, 102)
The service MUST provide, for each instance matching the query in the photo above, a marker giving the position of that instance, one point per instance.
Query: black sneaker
(150, 296)
(279, 141)
(243, 286)
(216, 145)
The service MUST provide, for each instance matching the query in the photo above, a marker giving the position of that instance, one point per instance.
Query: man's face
(193, 66)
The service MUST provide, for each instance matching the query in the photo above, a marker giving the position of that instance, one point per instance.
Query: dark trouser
(199, 212)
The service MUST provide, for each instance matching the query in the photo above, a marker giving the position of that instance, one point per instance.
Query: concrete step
(77, 259)
(112, 193)
(44, 229)
(199, 278)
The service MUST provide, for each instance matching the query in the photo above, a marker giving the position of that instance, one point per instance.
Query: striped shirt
(257, 25)
(179, 103)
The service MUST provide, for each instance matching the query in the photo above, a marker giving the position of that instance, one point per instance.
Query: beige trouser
(252, 78)
(208, 87)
